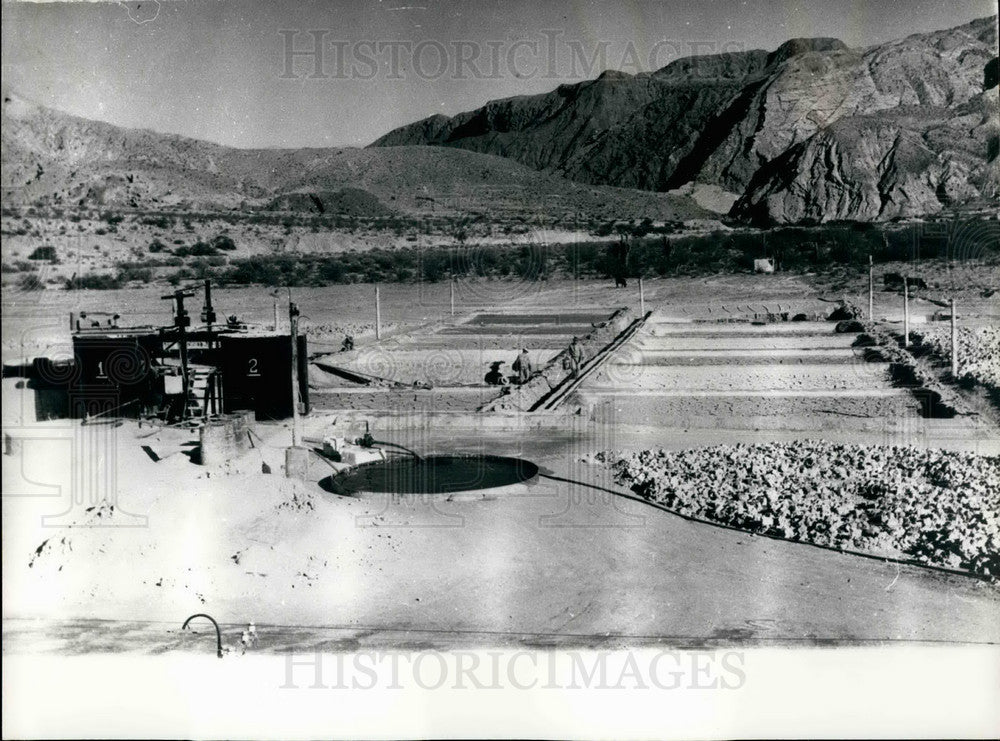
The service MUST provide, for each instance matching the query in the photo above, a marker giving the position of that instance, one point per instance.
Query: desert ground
(570, 557)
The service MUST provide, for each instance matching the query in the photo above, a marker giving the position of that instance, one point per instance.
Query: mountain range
(57, 160)
(811, 131)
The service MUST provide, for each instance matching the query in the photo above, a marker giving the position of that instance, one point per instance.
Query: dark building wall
(256, 374)
(109, 373)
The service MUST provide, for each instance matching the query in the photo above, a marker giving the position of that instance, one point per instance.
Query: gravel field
(978, 351)
(936, 507)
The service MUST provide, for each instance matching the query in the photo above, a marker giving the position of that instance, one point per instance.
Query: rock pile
(978, 351)
(937, 507)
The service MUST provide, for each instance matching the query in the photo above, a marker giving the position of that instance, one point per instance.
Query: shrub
(130, 274)
(198, 249)
(18, 266)
(224, 242)
(159, 220)
(30, 282)
(45, 252)
(94, 281)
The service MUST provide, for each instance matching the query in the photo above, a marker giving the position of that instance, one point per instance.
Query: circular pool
(436, 474)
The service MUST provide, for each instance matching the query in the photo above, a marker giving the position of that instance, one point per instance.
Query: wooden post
(906, 312)
(293, 320)
(954, 341)
(378, 315)
(182, 320)
(453, 297)
(871, 290)
(275, 315)
(642, 300)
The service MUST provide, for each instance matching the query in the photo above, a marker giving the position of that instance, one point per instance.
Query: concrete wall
(226, 437)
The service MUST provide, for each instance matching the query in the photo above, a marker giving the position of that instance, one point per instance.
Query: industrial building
(174, 372)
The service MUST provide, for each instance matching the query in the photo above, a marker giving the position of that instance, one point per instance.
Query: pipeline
(401, 447)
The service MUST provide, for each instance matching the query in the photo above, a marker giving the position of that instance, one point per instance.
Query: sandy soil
(743, 341)
(404, 400)
(750, 378)
(547, 563)
(779, 411)
(553, 562)
(441, 366)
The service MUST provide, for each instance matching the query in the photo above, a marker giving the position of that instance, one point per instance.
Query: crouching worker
(522, 366)
(495, 377)
(348, 344)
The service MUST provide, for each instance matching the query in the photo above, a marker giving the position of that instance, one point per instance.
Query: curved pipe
(397, 445)
(218, 633)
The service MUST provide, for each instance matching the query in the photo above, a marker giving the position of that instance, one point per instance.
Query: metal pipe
(218, 633)
(401, 447)
(642, 299)
(378, 315)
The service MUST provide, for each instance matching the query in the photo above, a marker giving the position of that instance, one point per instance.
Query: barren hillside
(762, 125)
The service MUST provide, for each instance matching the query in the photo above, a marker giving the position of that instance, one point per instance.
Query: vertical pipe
(378, 315)
(871, 290)
(293, 320)
(72, 321)
(275, 315)
(642, 299)
(906, 312)
(453, 297)
(954, 341)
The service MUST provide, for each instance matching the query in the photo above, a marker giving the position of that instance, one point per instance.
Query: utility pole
(378, 315)
(642, 299)
(453, 297)
(182, 321)
(906, 312)
(954, 341)
(208, 316)
(293, 320)
(871, 290)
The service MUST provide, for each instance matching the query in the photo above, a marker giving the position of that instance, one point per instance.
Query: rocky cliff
(812, 130)
(54, 159)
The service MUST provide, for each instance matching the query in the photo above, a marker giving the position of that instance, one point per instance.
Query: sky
(324, 73)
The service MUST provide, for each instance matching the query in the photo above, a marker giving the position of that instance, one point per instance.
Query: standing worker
(522, 366)
(575, 356)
